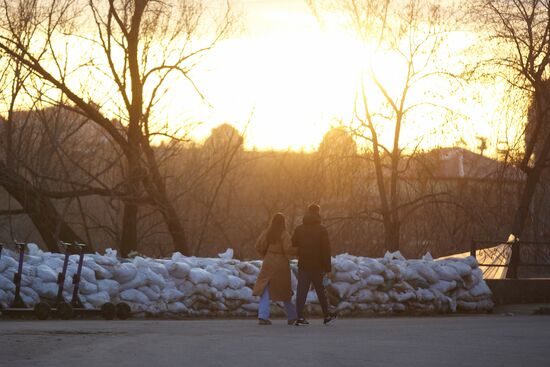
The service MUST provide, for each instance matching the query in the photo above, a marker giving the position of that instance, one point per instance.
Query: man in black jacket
(311, 239)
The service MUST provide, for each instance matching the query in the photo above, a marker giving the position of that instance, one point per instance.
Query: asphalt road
(480, 340)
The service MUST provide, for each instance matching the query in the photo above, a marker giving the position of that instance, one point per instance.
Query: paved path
(484, 340)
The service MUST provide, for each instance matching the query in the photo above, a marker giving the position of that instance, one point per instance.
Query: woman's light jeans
(263, 309)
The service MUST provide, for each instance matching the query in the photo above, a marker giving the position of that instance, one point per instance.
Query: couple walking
(311, 244)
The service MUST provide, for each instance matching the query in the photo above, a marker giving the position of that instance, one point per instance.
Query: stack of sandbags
(394, 284)
(192, 286)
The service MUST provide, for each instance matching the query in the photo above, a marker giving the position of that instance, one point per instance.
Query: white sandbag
(472, 261)
(220, 281)
(425, 271)
(343, 265)
(178, 257)
(410, 273)
(136, 282)
(474, 278)
(86, 287)
(7, 262)
(235, 282)
(29, 271)
(374, 266)
(33, 249)
(248, 278)
(402, 296)
(124, 272)
(247, 268)
(348, 277)
(402, 286)
(178, 269)
(153, 292)
(344, 306)
(444, 286)
(6, 284)
(133, 295)
(46, 274)
(160, 268)
(198, 276)
(340, 288)
(381, 297)
(44, 289)
(4, 298)
(26, 280)
(374, 280)
(363, 271)
(98, 299)
(250, 307)
(112, 287)
(227, 255)
(154, 278)
(244, 294)
(186, 287)
(140, 262)
(157, 308)
(390, 256)
(86, 273)
(109, 259)
(445, 272)
(355, 287)
(481, 289)
(100, 271)
(205, 290)
(388, 274)
(427, 257)
(28, 300)
(29, 293)
(466, 306)
(461, 267)
(177, 307)
(464, 295)
(424, 295)
(172, 295)
(365, 296)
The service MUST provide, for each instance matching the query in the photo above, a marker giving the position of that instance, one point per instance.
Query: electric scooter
(41, 310)
(62, 308)
(108, 310)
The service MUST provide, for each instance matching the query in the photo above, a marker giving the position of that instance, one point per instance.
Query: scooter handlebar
(20, 245)
(64, 245)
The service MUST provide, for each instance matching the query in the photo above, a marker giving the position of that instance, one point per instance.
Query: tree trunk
(128, 242)
(155, 186)
(522, 212)
(134, 174)
(41, 211)
(391, 236)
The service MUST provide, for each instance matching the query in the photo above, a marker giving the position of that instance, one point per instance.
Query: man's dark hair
(314, 209)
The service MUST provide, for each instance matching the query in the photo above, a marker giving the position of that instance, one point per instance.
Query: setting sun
(294, 78)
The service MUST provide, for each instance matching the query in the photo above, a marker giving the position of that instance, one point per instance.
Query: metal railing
(520, 253)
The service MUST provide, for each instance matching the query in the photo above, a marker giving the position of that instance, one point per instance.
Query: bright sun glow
(294, 79)
(287, 79)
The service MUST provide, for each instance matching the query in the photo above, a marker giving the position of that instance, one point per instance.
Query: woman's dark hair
(276, 228)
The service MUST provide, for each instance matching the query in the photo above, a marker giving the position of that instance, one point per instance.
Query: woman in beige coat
(273, 283)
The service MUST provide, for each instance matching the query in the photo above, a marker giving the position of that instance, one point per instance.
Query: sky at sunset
(294, 78)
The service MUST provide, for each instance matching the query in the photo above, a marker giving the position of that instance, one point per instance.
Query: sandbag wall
(191, 286)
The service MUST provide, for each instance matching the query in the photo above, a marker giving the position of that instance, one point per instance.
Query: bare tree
(138, 49)
(14, 178)
(519, 48)
(409, 35)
